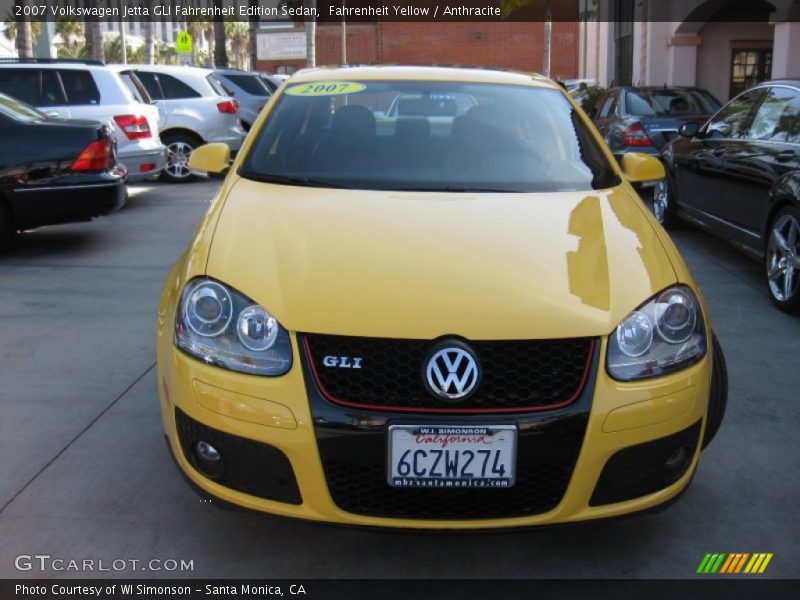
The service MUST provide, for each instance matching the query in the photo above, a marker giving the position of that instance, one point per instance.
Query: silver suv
(248, 88)
(195, 110)
(90, 90)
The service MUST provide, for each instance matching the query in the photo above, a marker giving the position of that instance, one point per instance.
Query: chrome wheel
(178, 154)
(783, 258)
(661, 201)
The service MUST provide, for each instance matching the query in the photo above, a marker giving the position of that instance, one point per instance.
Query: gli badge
(451, 371)
(342, 362)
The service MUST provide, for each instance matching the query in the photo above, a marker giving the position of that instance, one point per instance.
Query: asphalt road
(85, 474)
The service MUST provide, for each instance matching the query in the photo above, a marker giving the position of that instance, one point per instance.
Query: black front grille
(516, 375)
(362, 489)
(249, 466)
(640, 470)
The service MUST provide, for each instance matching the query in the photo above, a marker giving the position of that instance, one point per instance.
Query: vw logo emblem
(452, 372)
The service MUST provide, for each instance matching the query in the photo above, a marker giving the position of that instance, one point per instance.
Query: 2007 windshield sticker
(326, 88)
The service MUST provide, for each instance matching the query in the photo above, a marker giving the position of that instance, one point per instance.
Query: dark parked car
(644, 119)
(54, 170)
(738, 175)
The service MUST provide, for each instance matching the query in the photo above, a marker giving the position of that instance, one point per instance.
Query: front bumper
(336, 455)
(144, 165)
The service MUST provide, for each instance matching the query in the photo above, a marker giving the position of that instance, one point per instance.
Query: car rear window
(217, 86)
(670, 102)
(79, 86)
(249, 83)
(18, 110)
(513, 139)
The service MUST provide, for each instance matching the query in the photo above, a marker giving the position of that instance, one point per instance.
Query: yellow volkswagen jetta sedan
(430, 298)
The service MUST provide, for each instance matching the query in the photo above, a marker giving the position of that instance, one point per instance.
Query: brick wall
(504, 45)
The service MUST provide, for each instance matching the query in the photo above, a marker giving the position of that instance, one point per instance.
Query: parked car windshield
(505, 138)
(670, 102)
(19, 110)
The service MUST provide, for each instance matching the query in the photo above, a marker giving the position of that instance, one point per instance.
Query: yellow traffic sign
(183, 43)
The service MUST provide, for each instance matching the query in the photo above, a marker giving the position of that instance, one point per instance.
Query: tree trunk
(149, 36)
(253, 46)
(311, 36)
(220, 45)
(24, 35)
(24, 38)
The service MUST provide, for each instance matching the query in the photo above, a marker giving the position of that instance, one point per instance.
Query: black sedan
(738, 175)
(54, 171)
(644, 119)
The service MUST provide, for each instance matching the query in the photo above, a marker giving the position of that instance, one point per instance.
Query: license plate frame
(468, 437)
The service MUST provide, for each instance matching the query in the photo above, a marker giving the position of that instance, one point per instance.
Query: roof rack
(79, 61)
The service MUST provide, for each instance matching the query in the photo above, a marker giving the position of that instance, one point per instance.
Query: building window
(749, 67)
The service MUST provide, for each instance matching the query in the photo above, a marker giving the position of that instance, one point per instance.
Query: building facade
(516, 45)
(724, 46)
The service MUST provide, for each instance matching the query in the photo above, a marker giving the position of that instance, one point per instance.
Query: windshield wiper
(300, 180)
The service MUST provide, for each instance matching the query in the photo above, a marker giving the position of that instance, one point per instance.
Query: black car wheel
(179, 148)
(718, 396)
(783, 260)
(663, 204)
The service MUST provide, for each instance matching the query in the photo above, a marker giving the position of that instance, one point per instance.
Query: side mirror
(211, 159)
(642, 168)
(688, 130)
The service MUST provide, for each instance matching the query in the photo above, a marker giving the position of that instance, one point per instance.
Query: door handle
(785, 156)
(718, 152)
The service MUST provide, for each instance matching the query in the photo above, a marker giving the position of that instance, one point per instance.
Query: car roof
(199, 71)
(53, 65)
(388, 73)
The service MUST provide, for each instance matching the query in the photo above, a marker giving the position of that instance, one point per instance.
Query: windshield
(19, 110)
(666, 102)
(444, 136)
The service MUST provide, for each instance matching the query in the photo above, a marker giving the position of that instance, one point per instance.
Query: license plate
(452, 456)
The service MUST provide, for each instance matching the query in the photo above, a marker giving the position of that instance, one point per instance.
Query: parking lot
(84, 471)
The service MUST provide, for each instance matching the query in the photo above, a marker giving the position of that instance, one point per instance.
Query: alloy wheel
(661, 201)
(178, 154)
(783, 258)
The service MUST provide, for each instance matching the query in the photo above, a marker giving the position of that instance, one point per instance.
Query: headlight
(663, 335)
(221, 326)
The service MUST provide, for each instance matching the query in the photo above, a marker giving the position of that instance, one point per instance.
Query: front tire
(664, 204)
(782, 262)
(179, 148)
(718, 395)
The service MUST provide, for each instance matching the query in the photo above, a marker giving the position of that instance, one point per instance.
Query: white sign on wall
(281, 46)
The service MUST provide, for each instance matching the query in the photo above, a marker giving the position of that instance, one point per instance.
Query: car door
(700, 165)
(757, 163)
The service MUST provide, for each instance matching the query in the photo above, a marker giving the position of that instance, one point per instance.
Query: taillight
(133, 126)
(635, 135)
(97, 156)
(229, 107)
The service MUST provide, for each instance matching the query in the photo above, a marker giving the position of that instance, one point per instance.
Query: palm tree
(254, 21)
(149, 35)
(94, 36)
(71, 33)
(238, 33)
(220, 45)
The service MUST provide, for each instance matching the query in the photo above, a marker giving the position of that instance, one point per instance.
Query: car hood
(423, 265)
